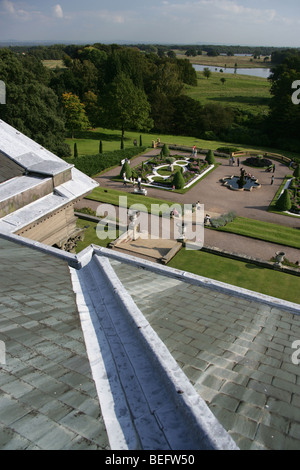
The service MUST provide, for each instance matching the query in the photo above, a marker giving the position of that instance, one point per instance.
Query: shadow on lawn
(95, 135)
(253, 266)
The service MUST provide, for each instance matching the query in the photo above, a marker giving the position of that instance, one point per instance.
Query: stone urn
(280, 255)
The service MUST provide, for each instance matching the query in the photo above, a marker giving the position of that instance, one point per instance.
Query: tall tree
(31, 106)
(284, 118)
(125, 106)
(76, 118)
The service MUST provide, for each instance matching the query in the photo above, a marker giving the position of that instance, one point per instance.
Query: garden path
(218, 199)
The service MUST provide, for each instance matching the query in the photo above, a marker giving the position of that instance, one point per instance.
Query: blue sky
(255, 22)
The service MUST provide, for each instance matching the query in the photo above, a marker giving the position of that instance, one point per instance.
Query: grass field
(53, 64)
(90, 235)
(238, 273)
(88, 142)
(221, 61)
(266, 231)
(240, 91)
(111, 196)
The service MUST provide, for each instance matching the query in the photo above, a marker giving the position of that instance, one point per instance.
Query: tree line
(127, 88)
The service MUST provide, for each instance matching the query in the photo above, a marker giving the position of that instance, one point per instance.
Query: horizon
(42, 42)
(182, 22)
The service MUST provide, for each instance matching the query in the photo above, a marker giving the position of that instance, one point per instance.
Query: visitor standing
(272, 180)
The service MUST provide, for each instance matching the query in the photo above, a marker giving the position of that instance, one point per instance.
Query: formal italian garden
(164, 171)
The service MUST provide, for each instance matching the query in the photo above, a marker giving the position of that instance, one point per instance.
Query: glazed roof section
(37, 161)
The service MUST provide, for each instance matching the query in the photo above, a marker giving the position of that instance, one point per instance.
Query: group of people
(232, 161)
(132, 181)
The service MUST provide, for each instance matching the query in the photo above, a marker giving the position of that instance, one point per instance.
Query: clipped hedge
(258, 162)
(93, 164)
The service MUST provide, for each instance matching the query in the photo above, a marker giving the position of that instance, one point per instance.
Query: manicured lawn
(238, 273)
(242, 91)
(264, 231)
(88, 141)
(110, 196)
(90, 236)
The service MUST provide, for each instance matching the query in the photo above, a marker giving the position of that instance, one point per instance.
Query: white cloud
(8, 6)
(111, 17)
(58, 11)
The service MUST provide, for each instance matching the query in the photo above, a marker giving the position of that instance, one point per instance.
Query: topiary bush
(284, 202)
(127, 170)
(296, 173)
(165, 150)
(210, 158)
(258, 162)
(178, 180)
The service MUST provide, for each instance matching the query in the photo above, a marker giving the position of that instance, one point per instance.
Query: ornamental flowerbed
(294, 193)
(161, 171)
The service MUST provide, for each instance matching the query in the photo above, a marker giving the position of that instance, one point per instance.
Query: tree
(126, 169)
(165, 150)
(75, 150)
(31, 106)
(284, 202)
(125, 106)
(296, 173)
(178, 180)
(223, 80)
(76, 118)
(210, 158)
(90, 102)
(284, 116)
(206, 72)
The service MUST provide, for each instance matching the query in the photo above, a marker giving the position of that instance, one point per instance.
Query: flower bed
(160, 171)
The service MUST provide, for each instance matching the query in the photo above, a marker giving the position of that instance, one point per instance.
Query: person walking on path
(274, 168)
(272, 180)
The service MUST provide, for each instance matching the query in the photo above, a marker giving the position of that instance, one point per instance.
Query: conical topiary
(127, 170)
(210, 158)
(165, 150)
(75, 151)
(284, 202)
(178, 180)
(296, 173)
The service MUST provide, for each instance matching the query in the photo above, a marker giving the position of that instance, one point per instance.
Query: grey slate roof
(21, 152)
(48, 398)
(164, 352)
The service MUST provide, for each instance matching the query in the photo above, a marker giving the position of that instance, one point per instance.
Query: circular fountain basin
(232, 183)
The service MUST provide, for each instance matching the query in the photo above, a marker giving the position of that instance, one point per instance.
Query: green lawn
(242, 91)
(264, 231)
(111, 196)
(88, 142)
(238, 273)
(90, 235)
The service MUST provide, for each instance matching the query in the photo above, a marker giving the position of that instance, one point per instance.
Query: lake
(254, 72)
